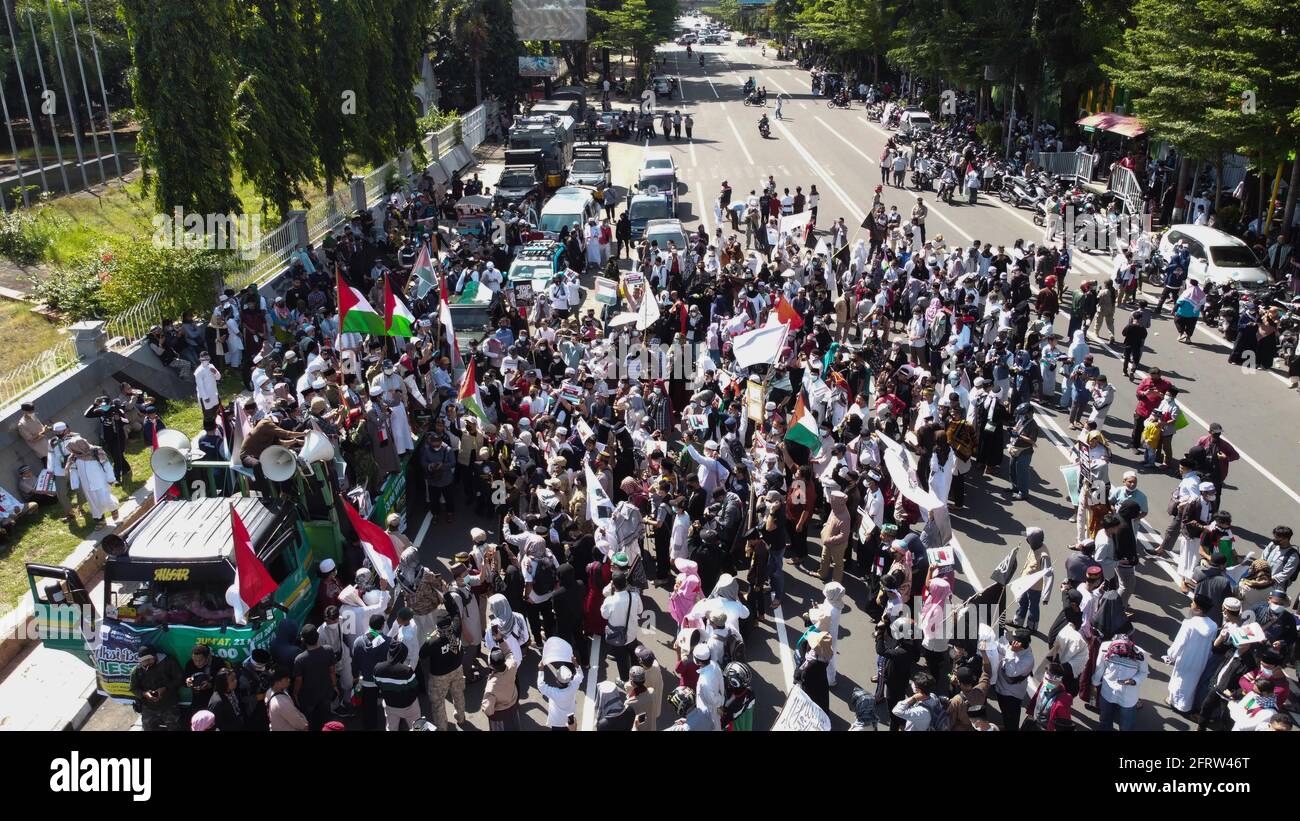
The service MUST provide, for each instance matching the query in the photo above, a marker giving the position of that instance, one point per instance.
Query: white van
(572, 203)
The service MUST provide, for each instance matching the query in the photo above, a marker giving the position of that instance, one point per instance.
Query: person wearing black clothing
(201, 671)
(441, 654)
(398, 688)
(114, 428)
(1134, 335)
(314, 679)
(368, 649)
(898, 652)
(623, 235)
(225, 703)
(1213, 583)
(570, 594)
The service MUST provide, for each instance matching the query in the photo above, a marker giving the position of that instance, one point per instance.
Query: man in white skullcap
(712, 473)
(56, 462)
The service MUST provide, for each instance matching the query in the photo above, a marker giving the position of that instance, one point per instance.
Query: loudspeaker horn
(316, 448)
(172, 438)
(169, 464)
(278, 463)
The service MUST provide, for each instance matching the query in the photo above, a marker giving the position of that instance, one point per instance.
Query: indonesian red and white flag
(252, 581)
(375, 541)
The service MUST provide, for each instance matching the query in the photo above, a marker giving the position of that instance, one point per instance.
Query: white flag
(648, 312)
(599, 506)
(801, 714)
(759, 347)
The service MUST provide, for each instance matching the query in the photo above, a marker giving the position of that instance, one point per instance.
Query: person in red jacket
(1149, 394)
(1051, 705)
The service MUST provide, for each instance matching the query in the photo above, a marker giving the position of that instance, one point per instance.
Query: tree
(629, 29)
(468, 24)
(456, 86)
(275, 152)
(1187, 65)
(727, 11)
(183, 87)
(336, 78)
(851, 29)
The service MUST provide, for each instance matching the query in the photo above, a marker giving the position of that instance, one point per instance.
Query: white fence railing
(377, 180)
(1123, 182)
(324, 215)
(272, 251)
(52, 361)
(1077, 165)
(134, 323)
(474, 127)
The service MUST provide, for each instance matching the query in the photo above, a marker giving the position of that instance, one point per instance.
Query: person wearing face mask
(1051, 703)
(1279, 625)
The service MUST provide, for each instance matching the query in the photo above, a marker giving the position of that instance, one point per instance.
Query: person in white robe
(91, 471)
(1188, 656)
(206, 377)
(941, 473)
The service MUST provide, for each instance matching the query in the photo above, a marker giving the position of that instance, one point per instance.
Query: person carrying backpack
(539, 567)
(923, 711)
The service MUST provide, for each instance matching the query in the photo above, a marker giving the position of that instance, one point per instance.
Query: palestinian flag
(468, 396)
(803, 428)
(423, 268)
(355, 313)
(786, 313)
(398, 319)
(252, 581)
(444, 317)
(376, 543)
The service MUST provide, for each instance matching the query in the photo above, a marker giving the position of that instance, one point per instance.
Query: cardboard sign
(523, 291)
(1246, 634)
(698, 421)
(632, 279)
(584, 430)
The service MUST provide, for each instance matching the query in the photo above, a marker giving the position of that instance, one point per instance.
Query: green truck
(167, 574)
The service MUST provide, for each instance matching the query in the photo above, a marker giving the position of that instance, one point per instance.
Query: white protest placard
(584, 430)
(1021, 584)
(571, 393)
(632, 279)
(941, 556)
(606, 291)
(794, 223)
(801, 714)
(698, 421)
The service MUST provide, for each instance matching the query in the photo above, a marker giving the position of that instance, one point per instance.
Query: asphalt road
(837, 150)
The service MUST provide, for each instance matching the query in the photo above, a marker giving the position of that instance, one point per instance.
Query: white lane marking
(691, 144)
(715, 91)
(1149, 533)
(818, 170)
(704, 208)
(782, 640)
(966, 567)
(1245, 457)
(589, 707)
(842, 139)
(739, 141)
(424, 529)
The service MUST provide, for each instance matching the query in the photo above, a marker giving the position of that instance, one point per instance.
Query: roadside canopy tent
(1113, 123)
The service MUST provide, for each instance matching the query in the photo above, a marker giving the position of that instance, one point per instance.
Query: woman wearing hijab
(686, 590)
(726, 597)
(568, 601)
(811, 674)
(421, 588)
(599, 574)
(1187, 310)
(506, 628)
(1108, 620)
(613, 713)
(1077, 351)
(934, 628)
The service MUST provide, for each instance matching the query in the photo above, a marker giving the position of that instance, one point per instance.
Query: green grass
(87, 220)
(45, 538)
(23, 335)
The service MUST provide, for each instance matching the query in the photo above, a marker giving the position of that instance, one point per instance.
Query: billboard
(550, 19)
(539, 66)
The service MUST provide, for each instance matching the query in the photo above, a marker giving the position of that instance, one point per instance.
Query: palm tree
(468, 24)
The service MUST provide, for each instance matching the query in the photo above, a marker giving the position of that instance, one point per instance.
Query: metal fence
(1123, 182)
(377, 180)
(272, 251)
(52, 361)
(329, 212)
(1077, 165)
(474, 127)
(134, 323)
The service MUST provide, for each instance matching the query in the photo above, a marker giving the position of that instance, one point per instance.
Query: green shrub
(990, 134)
(75, 292)
(26, 235)
(134, 269)
(437, 120)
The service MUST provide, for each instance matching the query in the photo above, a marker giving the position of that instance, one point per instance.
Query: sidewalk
(44, 689)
